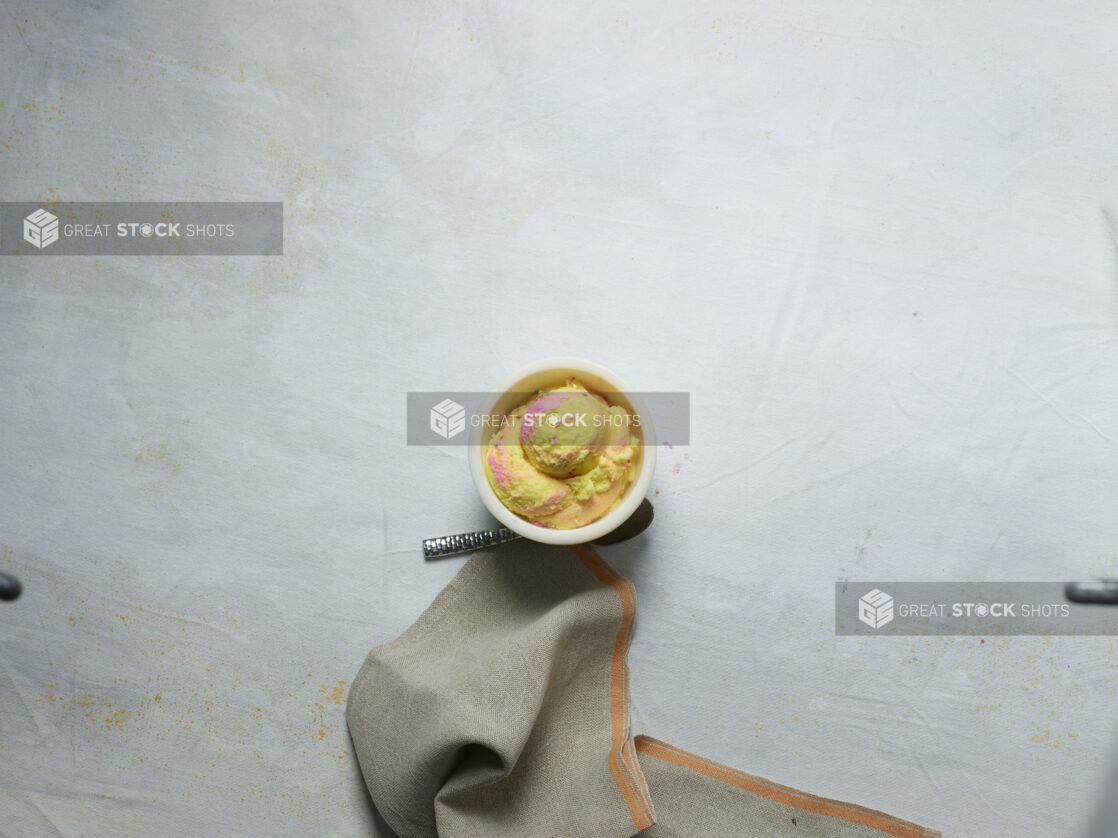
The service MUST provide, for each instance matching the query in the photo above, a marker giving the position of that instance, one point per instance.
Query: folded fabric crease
(503, 712)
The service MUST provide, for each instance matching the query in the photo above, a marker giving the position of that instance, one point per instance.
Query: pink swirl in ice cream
(564, 458)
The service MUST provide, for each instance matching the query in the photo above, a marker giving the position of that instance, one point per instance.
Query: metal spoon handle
(1099, 591)
(467, 542)
(10, 587)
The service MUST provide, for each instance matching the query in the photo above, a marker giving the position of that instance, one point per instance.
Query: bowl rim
(633, 496)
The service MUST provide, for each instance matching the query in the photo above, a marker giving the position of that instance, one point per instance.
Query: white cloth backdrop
(875, 242)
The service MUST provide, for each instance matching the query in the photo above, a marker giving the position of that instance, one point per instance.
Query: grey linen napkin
(503, 712)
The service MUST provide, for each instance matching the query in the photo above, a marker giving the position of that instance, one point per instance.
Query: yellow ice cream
(563, 458)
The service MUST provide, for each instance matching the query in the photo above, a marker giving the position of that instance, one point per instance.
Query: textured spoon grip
(467, 542)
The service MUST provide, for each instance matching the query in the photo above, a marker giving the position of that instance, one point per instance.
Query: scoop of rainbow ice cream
(563, 458)
(562, 432)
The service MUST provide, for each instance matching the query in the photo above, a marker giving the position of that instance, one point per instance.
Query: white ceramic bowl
(549, 372)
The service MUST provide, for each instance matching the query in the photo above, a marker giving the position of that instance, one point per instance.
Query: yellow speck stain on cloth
(156, 455)
(117, 718)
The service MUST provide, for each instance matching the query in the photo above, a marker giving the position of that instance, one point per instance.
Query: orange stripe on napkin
(623, 763)
(783, 794)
